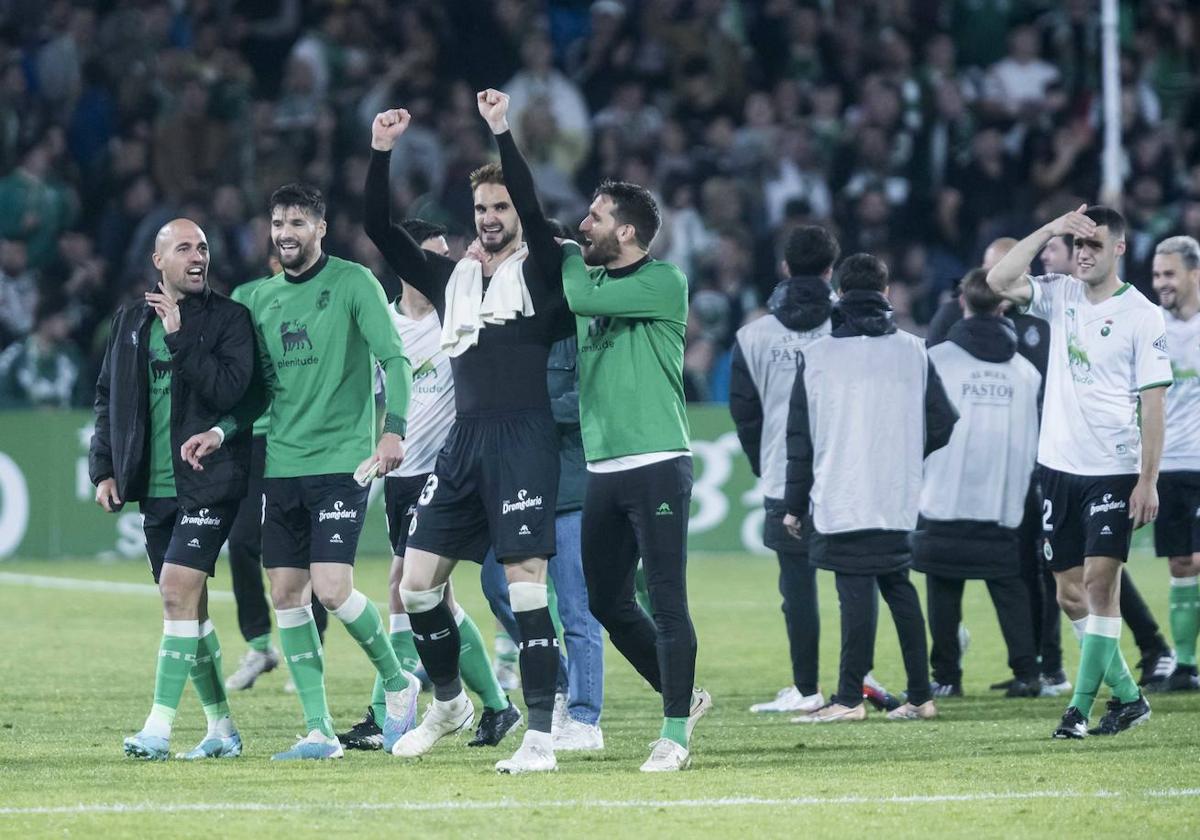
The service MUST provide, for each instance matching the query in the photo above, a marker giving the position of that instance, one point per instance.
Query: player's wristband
(394, 424)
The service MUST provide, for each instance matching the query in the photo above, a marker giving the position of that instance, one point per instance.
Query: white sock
(453, 703)
(159, 721)
(400, 623)
(222, 727)
(1079, 626)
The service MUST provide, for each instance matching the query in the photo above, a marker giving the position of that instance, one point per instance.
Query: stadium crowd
(910, 128)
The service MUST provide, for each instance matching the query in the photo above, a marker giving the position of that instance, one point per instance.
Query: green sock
(260, 643)
(206, 677)
(176, 653)
(676, 730)
(406, 652)
(1120, 679)
(365, 626)
(1184, 600)
(1100, 660)
(301, 646)
(504, 647)
(475, 667)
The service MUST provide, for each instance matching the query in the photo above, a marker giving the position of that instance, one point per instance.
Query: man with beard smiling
(1100, 444)
(175, 363)
(495, 483)
(631, 314)
(322, 323)
(1176, 274)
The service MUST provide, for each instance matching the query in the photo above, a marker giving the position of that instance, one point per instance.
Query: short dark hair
(978, 295)
(862, 272)
(1107, 217)
(633, 205)
(811, 250)
(304, 196)
(489, 173)
(420, 230)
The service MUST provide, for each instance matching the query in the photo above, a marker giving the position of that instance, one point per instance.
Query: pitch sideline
(600, 804)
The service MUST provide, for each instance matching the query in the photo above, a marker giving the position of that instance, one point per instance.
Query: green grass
(76, 672)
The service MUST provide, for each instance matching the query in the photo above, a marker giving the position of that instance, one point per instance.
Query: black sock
(539, 665)
(435, 634)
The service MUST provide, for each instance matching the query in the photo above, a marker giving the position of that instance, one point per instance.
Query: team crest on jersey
(1032, 337)
(323, 299)
(1107, 328)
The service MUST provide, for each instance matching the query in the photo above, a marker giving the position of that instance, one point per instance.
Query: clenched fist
(493, 107)
(388, 126)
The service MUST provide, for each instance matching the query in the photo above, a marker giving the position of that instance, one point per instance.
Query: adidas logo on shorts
(336, 539)
(193, 543)
(1106, 531)
(524, 531)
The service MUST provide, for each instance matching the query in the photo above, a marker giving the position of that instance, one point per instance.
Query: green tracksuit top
(631, 327)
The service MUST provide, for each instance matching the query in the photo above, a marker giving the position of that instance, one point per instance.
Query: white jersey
(431, 412)
(1101, 357)
(1181, 450)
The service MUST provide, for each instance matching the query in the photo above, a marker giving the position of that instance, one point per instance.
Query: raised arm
(493, 107)
(1009, 278)
(424, 271)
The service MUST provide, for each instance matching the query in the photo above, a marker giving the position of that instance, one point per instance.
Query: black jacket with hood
(801, 304)
(213, 360)
(970, 549)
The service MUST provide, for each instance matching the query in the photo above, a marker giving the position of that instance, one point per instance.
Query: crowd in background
(918, 130)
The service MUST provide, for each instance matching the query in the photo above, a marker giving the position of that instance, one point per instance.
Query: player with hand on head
(175, 363)
(1100, 443)
(322, 323)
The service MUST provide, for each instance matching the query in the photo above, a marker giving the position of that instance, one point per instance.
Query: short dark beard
(505, 240)
(302, 255)
(603, 251)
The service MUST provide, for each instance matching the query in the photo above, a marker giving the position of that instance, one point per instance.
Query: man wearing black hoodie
(764, 368)
(972, 506)
(867, 407)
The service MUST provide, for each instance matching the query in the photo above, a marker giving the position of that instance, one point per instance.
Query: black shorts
(400, 494)
(312, 519)
(1085, 516)
(183, 537)
(495, 484)
(1177, 529)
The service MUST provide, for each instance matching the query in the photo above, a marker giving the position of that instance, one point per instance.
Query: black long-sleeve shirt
(506, 369)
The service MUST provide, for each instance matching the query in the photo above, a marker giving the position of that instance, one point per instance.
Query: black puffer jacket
(213, 360)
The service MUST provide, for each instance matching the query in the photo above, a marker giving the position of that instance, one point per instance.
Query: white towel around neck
(469, 309)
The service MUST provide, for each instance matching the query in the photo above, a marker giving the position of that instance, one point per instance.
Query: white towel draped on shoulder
(469, 309)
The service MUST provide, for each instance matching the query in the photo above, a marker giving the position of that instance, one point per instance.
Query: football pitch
(76, 676)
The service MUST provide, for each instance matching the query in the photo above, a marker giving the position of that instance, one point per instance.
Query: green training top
(162, 467)
(242, 295)
(631, 328)
(318, 337)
